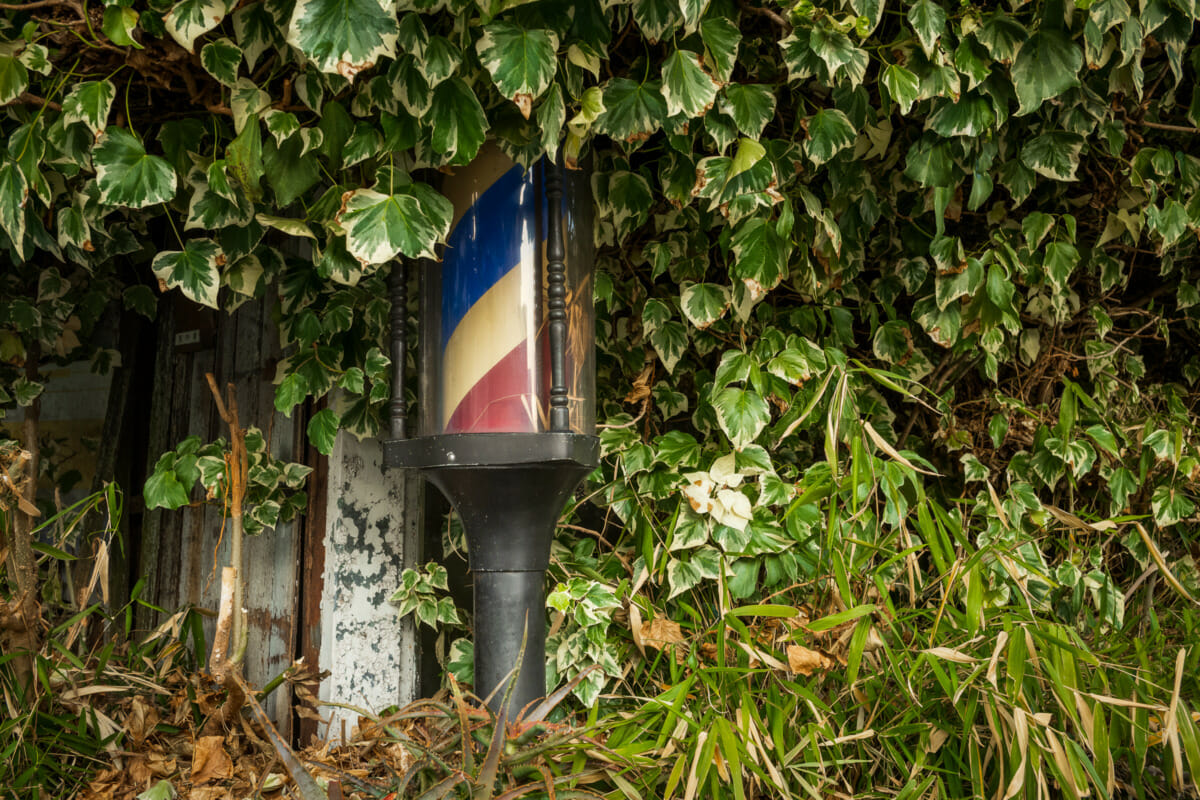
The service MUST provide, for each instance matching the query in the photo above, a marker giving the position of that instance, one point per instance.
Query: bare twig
(1163, 126)
(766, 12)
(31, 99)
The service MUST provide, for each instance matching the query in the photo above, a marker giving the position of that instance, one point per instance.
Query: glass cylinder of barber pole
(485, 333)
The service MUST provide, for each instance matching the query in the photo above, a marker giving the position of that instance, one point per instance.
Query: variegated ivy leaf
(193, 270)
(521, 62)
(656, 17)
(119, 24)
(221, 59)
(413, 37)
(692, 11)
(13, 192)
(928, 19)
(687, 88)
(551, 115)
(632, 110)
(902, 85)
(280, 124)
(244, 277)
(440, 61)
(256, 32)
(127, 175)
(721, 39)
(14, 79)
(410, 86)
(839, 54)
(292, 227)
(364, 143)
(760, 256)
(1054, 154)
(73, 229)
(379, 226)
(829, 133)
(215, 204)
(247, 100)
(457, 120)
(1047, 64)
(89, 103)
(344, 36)
(37, 58)
(310, 88)
(704, 303)
(188, 19)
(750, 105)
(741, 413)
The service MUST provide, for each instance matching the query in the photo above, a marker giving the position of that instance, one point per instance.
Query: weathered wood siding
(182, 551)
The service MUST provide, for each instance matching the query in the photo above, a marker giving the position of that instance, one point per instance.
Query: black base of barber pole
(509, 490)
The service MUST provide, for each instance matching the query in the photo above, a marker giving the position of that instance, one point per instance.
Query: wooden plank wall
(182, 551)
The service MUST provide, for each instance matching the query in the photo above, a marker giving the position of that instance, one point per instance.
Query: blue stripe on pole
(486, 244)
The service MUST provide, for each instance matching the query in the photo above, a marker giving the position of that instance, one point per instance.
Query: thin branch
(32, 99)
(768, 13)
(35, 4)
(1163, 126)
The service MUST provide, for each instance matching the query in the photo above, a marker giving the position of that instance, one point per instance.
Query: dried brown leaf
(804, 661)
(210, 762)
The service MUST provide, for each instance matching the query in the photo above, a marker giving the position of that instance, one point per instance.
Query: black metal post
(556, 296)
(398, 290)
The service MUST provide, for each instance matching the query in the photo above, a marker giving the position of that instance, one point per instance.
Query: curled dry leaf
(210, 762)
(663, 634)
(803, 661)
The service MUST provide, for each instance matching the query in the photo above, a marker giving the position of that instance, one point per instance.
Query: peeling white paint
(369, 539)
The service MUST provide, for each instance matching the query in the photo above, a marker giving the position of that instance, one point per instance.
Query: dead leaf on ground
(663, 634)
(210, 793)
(141, 719)
(803, 661)
(210, 762)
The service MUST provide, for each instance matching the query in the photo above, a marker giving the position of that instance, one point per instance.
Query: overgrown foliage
(897, 319)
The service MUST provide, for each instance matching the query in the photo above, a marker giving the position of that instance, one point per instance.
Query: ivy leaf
(721, 38)
(13, 192)
(378, 226)
(191, 18)
(829, 133)
(1054, 154)
(255, 30)
(835, 49)
(551, 115)
(742, 414)
(704, 303)
(902, 85)
(656, 17)
(1047, 65)
(221, 60)
(692, 11)
(126, 175)
(929, 163)
(521, 62)
(760, 256)
(322, 430)
(344, 36)
(163, 490)
(458, 121)
(119, 24)
(970, 116)
(440, 61)
(632, 110)
(193, 270)
(1170, 505)
(751, 105)
(687, 89)
(89, 103)
(14, 79)
(670, 341)
(928, 19)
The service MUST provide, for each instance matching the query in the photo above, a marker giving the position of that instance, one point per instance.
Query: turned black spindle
(398, 289)
(556, 297)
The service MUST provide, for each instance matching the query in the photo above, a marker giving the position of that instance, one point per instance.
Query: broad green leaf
(13, 193)
(760, 256)
(721, 39)
(127, 175)
(1061, 260)
(521, 62)
(749, 153)
(632, 111)
(929, 163)
(751, 105)
(458, 121)
(344, 36)
(163, 490)
(829, 133)
(686, 87)
(119, 24)
(244, 158)
(704, 303)
(1002, 36)
(193, 270)
(14, 79)
(378, 226)
(1054, 154)
(1047, 65)
(902, 85)
(89, 102)
(188, 19)
(221, 60)
(322, 430)
(928, 19)
(741, 413)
